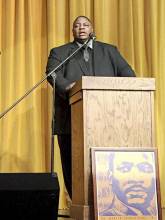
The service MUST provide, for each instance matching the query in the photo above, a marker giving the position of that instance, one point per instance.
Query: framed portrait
(125, 184)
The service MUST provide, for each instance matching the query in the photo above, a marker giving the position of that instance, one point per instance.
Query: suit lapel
(78, 58)
(97, 53)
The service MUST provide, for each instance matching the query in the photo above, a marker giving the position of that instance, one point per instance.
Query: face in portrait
(133, 178)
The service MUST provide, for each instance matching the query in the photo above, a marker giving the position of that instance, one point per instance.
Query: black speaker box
(29, 196)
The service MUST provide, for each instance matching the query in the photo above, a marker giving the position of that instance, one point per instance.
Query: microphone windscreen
(92, 36)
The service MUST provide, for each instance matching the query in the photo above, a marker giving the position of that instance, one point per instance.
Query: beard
(136, 194)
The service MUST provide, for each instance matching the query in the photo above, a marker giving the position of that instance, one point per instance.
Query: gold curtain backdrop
(29, 29)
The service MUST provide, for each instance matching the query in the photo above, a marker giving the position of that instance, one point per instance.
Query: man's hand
(70, 86)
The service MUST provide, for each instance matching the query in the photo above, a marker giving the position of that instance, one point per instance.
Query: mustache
(132, 185)
(135, 188)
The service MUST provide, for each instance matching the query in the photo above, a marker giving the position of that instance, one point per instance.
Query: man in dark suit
(96, 59)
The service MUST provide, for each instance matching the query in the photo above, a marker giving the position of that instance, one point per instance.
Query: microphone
(92, 36)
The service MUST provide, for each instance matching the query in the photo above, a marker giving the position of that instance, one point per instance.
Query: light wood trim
(153, 120)
(114, 83)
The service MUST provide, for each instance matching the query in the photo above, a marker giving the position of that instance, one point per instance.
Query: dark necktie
(88, 57)
(86, 54)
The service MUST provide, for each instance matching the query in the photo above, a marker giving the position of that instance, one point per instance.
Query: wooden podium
(106, 112)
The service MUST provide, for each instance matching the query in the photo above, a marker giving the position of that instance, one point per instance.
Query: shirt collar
(89, 44)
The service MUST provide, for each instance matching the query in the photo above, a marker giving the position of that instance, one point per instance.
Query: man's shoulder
(105, 45)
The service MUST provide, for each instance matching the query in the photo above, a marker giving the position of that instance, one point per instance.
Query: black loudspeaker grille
(29, 196)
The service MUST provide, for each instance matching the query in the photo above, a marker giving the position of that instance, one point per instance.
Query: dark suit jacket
(107, 61)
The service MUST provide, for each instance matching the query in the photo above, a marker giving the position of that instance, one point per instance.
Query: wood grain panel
(119, 119)
(114, 83)
(77, 153)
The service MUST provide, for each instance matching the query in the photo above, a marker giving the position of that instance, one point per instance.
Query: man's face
(81, 29)
(133, 178)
